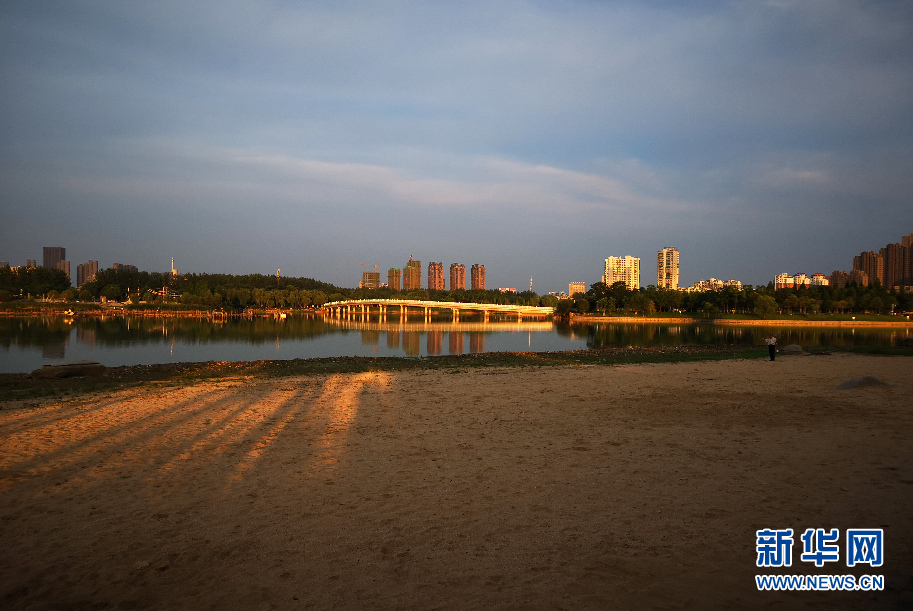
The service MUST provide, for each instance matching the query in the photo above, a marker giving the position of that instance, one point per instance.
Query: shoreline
(24, 387)
(761, 322)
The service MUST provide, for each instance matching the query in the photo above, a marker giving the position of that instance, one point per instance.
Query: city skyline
(868, 265)
(755, 137)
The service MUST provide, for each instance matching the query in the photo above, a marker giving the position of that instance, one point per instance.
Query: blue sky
(536, 138)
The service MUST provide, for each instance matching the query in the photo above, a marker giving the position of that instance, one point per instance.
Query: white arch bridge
(352, 309)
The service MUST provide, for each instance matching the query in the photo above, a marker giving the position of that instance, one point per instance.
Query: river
(27, 343)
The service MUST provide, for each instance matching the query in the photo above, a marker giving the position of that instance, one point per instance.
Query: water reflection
(604, 335)
(28, 342)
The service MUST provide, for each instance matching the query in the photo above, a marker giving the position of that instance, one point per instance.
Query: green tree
(765, 306)
(564, 307)
(548, 301)
(791, 302)
(111, 292)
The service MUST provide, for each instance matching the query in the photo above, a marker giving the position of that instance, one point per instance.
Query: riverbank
(756, 322)
(35, 389)
(578, 486)
(64, 310)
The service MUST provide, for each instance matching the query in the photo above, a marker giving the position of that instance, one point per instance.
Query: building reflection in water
(476, 342)
(432, 339)
(55, 350)
(370, 337)
(435, 342)
(392, 339)
(85, 336)
(455, 342)
(412, 343)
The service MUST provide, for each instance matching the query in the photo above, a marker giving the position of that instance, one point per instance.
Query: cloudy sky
(534, 137)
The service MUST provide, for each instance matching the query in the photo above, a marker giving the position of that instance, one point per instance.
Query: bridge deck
(455, 306)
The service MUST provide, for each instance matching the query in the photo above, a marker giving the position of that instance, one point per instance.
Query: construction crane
(375, 265)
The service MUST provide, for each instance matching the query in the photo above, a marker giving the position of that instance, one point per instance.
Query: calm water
(28, 343)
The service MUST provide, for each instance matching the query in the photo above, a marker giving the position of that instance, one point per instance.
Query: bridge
(352, 309)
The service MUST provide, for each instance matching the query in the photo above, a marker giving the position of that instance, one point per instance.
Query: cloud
(619, 126)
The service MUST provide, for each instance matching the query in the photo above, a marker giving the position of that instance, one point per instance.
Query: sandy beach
(591, 487)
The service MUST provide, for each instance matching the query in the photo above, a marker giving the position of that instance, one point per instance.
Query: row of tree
(25, 282)
(764, 301)
(258, 290)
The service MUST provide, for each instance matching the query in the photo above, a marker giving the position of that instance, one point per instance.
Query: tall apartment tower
(872, 265)
(576, 287)
(907, 243)
(457, 276)
(893, 255)
(477, 277)
(54, 255)
(85, 272)
(667, 268)
(393, 278)
(622, 269)
(436, 276)
(412, 275)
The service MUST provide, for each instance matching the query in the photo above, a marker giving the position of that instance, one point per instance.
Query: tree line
(763, 301)
(237, 292)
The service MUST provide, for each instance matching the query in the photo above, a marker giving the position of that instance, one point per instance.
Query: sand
(592, 487)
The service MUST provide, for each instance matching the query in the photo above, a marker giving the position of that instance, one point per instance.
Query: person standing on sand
(772, 346)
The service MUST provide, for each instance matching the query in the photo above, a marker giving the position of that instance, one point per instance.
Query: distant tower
(54, 255)
(370, 280)
(667, 268)
(622, 269)
(393, 278)
(436, 276)
(85, 272)
(457, 277)
(412, 275)
(477, 280)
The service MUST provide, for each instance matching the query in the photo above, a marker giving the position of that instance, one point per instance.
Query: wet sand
(524, 488)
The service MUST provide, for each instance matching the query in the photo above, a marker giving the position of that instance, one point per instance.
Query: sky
(536, 138)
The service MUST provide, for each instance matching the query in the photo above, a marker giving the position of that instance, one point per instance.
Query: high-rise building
(54, 255)
(412, 275)
(370, 280)
(85, 272)
(393, 278)
(622, 269)
(477, 277)
(907, 243)
(436, 276)
(576, 287)
(457, 276)
(29, 263)
(893, 255)
(64, 266)
(667, 268)
(872, 264)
